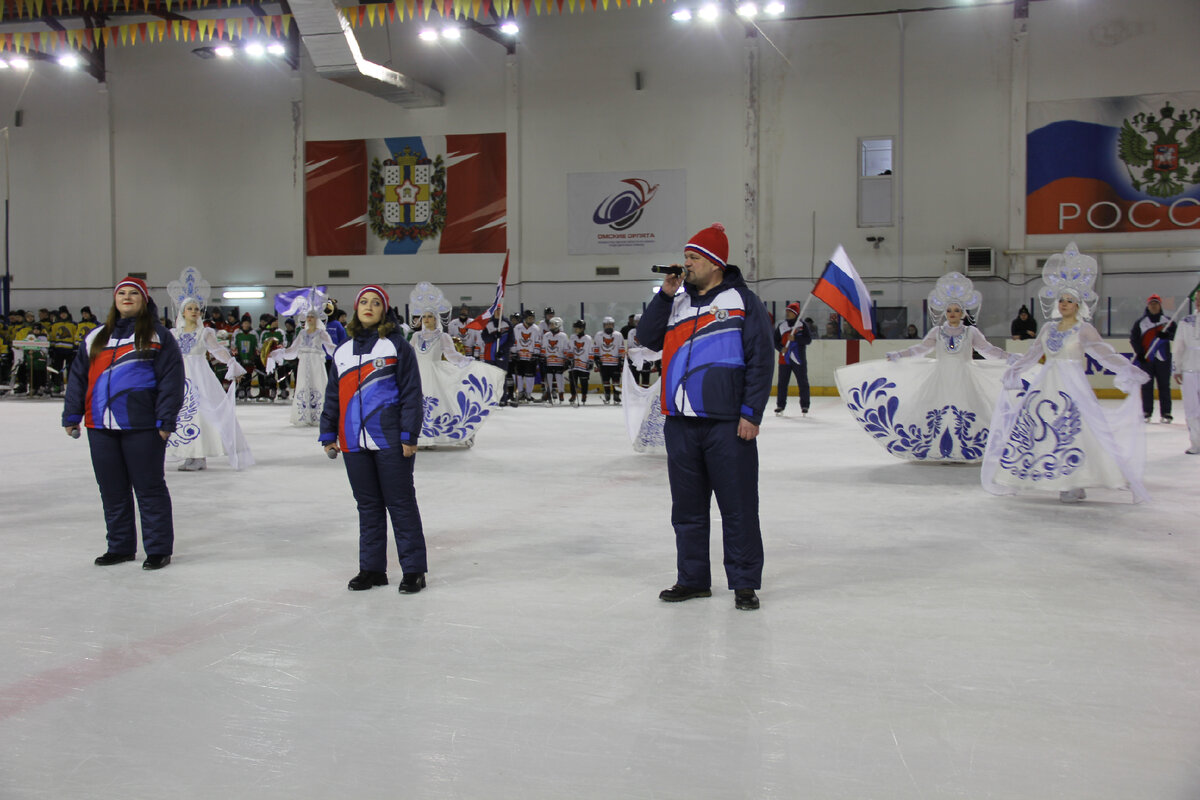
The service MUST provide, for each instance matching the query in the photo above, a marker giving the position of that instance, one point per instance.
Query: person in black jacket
(715, 339)
(373, 413)
(1151, 339)
(792, 338)
(1024, 326)
(126, 386)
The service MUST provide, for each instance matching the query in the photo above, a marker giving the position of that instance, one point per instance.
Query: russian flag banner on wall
(403, 195)
(1114, 164)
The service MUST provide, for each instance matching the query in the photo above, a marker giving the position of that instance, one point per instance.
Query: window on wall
(875, 182)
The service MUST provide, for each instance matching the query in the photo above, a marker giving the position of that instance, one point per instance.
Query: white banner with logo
(626, 212)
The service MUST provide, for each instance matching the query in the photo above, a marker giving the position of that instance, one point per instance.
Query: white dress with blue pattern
(928, 409)
(207, 423)
(1052, 434)
(459, 392)
(642, 406)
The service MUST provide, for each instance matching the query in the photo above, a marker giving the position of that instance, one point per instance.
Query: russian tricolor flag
(493, 311)
(841, 289)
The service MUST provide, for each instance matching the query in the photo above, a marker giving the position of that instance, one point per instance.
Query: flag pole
(1153, 348)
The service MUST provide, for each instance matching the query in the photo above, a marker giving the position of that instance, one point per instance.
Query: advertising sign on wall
(626, 212)
(1114, 164)
(403, 195)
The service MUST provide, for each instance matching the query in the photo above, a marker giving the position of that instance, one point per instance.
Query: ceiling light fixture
(223, 51)
(243, 294)
(276, 49)
(70, 60)
(709, 12)
(19, 63)
(255, 50)
(510, 28)
(774, 9)
(747, 11)
(452, 33)
(682, 15)
(3, 64)
(428, 35)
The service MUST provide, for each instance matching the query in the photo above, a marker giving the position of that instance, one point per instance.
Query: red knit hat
(711, 243)
(1155, 298)
(136, 283)
(377, 290)
(794, 308)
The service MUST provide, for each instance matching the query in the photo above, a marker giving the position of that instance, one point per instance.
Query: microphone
(665, 270)
(331, 453)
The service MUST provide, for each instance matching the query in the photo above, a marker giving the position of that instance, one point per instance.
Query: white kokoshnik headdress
(954, 289)
(426, 298)
(1068, 273)
(191, 287)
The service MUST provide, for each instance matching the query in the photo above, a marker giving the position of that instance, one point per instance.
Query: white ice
(918, 638)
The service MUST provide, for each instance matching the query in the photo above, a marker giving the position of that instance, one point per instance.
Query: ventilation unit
(979, 262)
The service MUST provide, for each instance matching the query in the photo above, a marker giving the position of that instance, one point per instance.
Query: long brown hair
(143, 328)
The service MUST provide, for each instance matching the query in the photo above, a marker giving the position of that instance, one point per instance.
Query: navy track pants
(129, 463)
(382, 481)
(786, 370)
(1160, 376)
(705, 456)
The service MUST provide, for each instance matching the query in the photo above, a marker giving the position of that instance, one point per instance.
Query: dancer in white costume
(1049, 431)
(931, 409)
(459, 392)
(309, 346)
(643, 405)
(207, 424)
(1187, 372)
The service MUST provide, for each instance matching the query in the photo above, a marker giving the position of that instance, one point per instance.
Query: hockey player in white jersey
(554, 355)
(579, 354)
(527, 338)
(608, 353)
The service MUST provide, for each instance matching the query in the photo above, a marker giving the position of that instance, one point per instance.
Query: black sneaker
(412, 582)
(108, 559)
(745, 599)
(678, 593)
(366, 579)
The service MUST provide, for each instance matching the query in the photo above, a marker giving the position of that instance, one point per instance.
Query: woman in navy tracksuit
(373, 413)
(126, 387)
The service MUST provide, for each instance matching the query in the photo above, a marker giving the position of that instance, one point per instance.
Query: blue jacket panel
(124, 388)
(373, 399)
(717, 350)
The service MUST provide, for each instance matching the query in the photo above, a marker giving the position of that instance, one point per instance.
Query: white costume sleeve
(450, 352)
(986, 348)
(924, 347)
(1128, 376)
(327, 342)
(234, 370)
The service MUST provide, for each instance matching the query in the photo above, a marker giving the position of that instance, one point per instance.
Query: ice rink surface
(918, 638)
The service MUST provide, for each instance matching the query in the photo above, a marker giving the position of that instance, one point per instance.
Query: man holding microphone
(717, 354)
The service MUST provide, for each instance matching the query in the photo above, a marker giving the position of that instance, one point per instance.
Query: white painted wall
(204, 165)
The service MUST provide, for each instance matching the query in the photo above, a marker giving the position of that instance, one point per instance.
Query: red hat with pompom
(711, 243)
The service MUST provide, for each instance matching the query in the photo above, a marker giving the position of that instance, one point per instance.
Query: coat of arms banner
(1114, 164)
(404, 195)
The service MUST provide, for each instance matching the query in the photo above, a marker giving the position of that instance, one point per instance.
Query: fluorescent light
(276, 49)
(452, 33)
(747, 10)
(428, 35)
(19, 63)
(223, 51)
(70, 60)
(255, 50)
(774, 9)
(682, 15)
(3, 64)
(244, 294)
(709, 12)
(510, 28)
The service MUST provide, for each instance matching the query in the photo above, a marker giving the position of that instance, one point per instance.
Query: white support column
(1018, 106)
(750, 154)
(512, 143)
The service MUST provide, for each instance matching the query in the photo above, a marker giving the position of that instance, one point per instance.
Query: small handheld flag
(840, 288)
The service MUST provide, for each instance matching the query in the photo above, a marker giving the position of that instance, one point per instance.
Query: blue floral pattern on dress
(476, 399)
(187, 427)
(948, 428)
(1044, 422)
